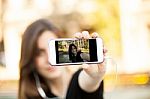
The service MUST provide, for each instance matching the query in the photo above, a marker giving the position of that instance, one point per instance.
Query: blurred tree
(106, 21)
(2, 11)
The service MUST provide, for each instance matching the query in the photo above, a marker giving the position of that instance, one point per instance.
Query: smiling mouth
(51, 68)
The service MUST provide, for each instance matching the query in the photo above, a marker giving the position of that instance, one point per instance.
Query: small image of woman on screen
(74, 54)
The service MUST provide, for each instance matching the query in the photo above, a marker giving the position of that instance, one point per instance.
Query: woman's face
(41, 60)
(74, 50)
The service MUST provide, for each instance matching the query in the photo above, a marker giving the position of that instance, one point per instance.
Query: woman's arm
(91, 76)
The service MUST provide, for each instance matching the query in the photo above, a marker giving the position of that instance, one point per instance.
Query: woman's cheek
(40, 67)
(39, 63)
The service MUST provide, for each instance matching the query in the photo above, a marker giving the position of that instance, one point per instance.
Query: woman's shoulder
(77, 72)
(75, 92)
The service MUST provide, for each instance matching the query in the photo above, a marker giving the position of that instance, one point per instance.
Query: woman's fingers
(105, 52)
(95, 35)
(82, 35)
(85, 35)
(78, 35)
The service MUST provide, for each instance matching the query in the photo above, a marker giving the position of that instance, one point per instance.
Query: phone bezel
(52, 50)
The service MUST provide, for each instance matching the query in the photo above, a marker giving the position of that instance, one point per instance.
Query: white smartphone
(72, 51)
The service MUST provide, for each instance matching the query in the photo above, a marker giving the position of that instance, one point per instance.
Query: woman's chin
(53, 73)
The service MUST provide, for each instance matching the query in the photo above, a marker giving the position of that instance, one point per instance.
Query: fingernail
(95, 35)
(78, 35)
(86, 34)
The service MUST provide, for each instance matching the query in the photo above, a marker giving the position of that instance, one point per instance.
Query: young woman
(40, 80)
(74, 54)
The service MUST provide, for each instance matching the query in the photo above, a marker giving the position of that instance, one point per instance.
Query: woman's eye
(40, 53)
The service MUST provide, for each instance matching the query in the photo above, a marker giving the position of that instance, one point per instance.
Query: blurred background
(124, 26)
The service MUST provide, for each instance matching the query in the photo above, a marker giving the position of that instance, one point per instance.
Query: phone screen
(76, 51)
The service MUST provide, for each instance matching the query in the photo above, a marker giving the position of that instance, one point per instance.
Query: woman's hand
(92, 74)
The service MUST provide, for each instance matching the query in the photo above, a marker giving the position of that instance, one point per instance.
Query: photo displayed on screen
(74, 51)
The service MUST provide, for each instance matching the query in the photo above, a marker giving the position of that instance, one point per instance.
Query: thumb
(85, 67)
